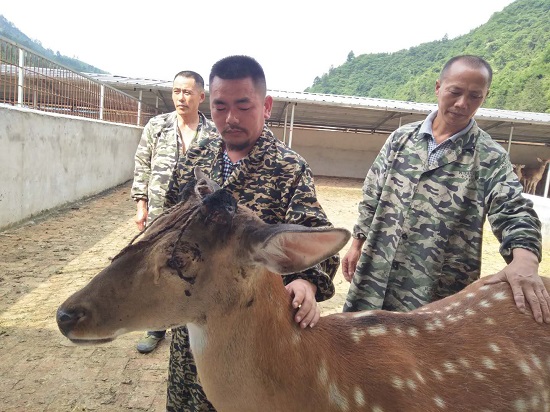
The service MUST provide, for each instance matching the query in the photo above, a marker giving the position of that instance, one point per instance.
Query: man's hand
(302, 293)
(349, 263)
(522, 275)
(141, 214)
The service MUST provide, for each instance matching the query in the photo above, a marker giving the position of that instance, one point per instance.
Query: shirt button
(395, 265)
(404, 236)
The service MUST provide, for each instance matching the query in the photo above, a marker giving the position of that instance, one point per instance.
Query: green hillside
(515, 41)
(8, 30)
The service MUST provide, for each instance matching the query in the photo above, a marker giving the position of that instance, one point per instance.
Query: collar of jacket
(465, 141)
(171, 118)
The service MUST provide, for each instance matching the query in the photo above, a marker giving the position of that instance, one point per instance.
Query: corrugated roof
(349, 113)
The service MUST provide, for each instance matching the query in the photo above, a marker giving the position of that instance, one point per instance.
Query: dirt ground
(45, 260)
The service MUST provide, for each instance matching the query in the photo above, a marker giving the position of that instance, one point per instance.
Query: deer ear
(204, 185)
(287, 248)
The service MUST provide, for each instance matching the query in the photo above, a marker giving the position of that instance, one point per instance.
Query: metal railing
(30, 80)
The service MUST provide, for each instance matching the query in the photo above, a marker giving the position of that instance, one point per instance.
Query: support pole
(510, 139)
(291, 126)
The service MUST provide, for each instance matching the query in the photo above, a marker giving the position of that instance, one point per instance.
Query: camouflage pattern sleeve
(305, 209)
(142, 168)
(372, 189)
(512, 216)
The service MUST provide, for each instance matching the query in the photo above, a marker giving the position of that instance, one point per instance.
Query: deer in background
(531, 176)
(518, 170)
(216, 267)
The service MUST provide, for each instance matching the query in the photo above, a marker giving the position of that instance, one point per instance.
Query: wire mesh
(30, 80)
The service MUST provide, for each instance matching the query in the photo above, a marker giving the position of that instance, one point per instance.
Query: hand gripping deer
(216, 267)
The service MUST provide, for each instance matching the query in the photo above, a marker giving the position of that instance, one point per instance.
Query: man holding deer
(419, 233)
(262, 173)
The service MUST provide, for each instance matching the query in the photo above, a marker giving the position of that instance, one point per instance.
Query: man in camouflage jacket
(425, 201)
(269, 178)
(165, 138)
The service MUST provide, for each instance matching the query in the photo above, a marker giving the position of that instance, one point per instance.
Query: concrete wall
(337, 154)
(48, 160)
(348, 154)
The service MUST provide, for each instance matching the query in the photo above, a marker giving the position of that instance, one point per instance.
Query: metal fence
(30, 80)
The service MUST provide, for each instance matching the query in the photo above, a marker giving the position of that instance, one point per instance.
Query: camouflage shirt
(273, 181)
(423, 223)
(156, 157)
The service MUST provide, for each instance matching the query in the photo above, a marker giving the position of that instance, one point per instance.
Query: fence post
(101, 101)
(20, 80)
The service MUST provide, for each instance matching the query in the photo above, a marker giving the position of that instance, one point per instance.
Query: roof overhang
(349, 113)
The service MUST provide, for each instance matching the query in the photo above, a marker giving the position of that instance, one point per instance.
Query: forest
(515, 41)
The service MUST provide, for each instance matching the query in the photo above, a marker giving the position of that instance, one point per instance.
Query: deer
(518, 170)
(213, 265)
(531, 176)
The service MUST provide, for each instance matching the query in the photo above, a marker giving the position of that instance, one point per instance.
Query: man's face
(239, 111)
(186, 95)
(460, 93)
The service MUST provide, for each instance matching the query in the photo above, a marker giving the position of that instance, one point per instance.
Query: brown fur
(473, 351)
(531, 176)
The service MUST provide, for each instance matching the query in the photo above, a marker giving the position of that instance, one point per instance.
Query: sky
(294, 40)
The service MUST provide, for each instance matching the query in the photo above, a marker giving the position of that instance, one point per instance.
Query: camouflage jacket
(424, 223)
(273, 181)
(156, 157)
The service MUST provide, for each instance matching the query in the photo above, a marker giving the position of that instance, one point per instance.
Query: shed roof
(349, 113)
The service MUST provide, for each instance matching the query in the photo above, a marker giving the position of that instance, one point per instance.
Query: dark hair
(239, 67)
(472, 61)
(199, 81)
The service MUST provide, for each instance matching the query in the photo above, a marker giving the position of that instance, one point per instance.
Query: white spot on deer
(411, 384)
(494, 347)
(490, 321)
(412, 332)
(488, 363)
(470, 295)
(449, 367)
(464, 362)
(420, 377)
(536, 361)
(479, 376)
(535, 402)
(397, 382)
(435, 324)
(336, 397)
(377, 409)
(357, 334)
(520, 405)
(377, 330)
(484, 287)
(440, 403)
(359, 397)
(322, 374)
(470, 312)
(438, 375)
(524, 367)
(362, 314)
(500, 296)
(296, 339)
(485, 304)
(398, 330)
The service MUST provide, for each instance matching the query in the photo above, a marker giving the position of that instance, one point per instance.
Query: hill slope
(515, 41)
(8, 30)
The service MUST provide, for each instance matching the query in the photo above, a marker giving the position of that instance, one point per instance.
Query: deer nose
(68, 318)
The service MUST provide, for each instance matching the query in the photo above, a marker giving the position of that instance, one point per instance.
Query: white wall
(47, 160)
(337, 154)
